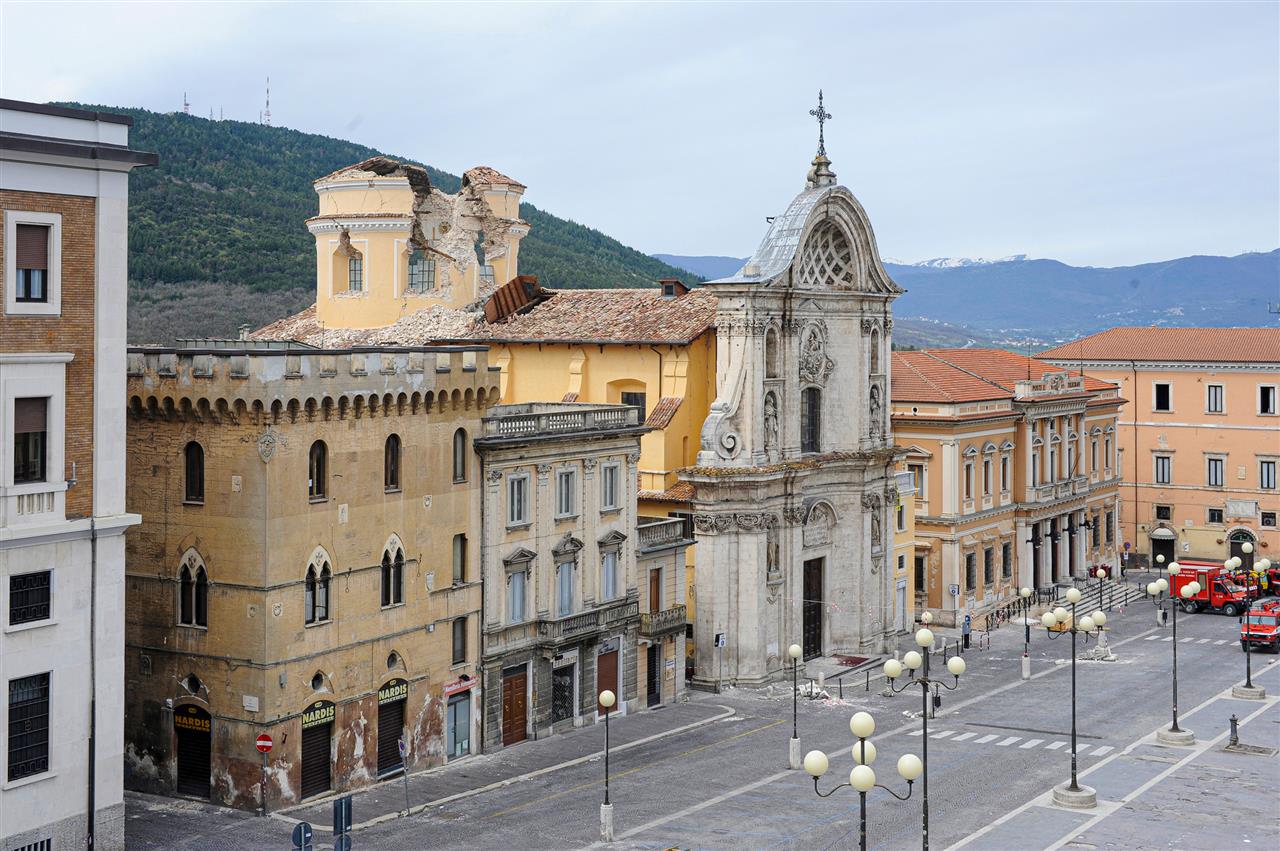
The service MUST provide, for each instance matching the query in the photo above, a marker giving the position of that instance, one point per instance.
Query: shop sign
(320, 712)
(457, 686)
(394, 690)
(193, 718)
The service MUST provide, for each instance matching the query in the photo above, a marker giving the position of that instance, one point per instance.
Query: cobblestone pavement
(996, 748)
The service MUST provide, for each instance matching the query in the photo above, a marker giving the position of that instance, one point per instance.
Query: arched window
(355, 272)
(194, 454)
(391, 464)
(810, 419)
(186, 597)
(875, 353)
(316, 601)
(193, 592)
(460, 455)
(772, 369)
(202, 597)
(317, 471)
(392, 578)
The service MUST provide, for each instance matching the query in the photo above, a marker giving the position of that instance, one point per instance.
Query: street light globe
(1099, 617)
(1024, 593)
(1049, 619)
(956, 665)
(925, 638)
(1196, 587)
(1073, 595)
(862, 778)
(1188, 590)
(816, 763)
(1061, 614)
(926, 617)
(1264, 563)
(1159, 559)
(912, 660)
(893, 669)
(1086, 624)
(1174, 568)
(857, 753)
(1102, 573)
(794, 651)
(607, 699)
(909, 766)
(1234, 562)
(862, 724)
(1153, 588)
(1246, 548)
(1162, 584)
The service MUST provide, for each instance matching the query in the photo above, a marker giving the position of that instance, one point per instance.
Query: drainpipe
(1133, 366)
(93, 675)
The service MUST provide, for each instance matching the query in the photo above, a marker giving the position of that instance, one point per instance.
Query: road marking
(1030, 743)
(1152, 638)
(1185, 640)
(943, 734)
(1006, 742)
(1204, 641)
(916, 733)
(963, 736)
(1220, 642)
(1054, 746)
(1103, 751)
(1167, 638)
(986, 739)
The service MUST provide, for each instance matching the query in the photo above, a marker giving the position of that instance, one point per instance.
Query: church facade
(795, 481)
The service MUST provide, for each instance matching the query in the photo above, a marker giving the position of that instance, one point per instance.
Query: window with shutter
(31, 251)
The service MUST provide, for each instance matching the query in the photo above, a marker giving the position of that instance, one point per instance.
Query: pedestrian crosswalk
(1021, 742)
(1217, 642)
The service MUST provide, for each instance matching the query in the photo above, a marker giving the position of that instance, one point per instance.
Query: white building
(64, 196)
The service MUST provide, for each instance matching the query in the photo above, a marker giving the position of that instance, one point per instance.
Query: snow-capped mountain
(957, 262)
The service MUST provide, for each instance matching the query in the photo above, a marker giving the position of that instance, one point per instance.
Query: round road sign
(264, 743)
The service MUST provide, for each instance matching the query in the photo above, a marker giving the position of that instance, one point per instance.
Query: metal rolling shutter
(315, 759)
(193, 763)
(390, 728)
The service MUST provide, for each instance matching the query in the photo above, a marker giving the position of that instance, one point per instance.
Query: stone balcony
(541, 419)
(662, 534)
(1059, 490)
(667, 620)
(33, 504)
(550, 632)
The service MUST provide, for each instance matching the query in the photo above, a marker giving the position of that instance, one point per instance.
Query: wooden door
(812, 608)
(607, 678)
(655, 590)
(653, 674)
(515, 707)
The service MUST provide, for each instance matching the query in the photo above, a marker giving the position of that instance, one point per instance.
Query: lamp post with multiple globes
(1247, 691)
(913, 660)
(1056, 623)
(862, 779)
(1175, 735)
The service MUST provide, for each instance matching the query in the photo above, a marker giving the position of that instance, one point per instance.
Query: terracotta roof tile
(1215, 345)
(967, 375)
(662, 413)
(569, 397)
(679, 492)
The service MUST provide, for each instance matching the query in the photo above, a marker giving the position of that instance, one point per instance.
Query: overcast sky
(1095, 133)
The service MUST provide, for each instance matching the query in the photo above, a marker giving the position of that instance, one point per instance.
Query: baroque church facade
(794, 480)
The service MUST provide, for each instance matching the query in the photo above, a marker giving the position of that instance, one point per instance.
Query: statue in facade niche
(875, 527)
(815, 366)
(770, 424)
(877, 420)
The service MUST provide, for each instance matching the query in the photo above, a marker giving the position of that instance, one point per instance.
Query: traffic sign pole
(404, 767)
(263, 744)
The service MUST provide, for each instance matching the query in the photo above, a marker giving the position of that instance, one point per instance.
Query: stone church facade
(795, 478)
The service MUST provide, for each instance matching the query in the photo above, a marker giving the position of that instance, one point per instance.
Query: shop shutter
(315, 759)
(390, 728)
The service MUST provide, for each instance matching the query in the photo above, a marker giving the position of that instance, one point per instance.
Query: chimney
(244, 332)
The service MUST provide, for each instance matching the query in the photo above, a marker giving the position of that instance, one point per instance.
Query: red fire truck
(1261, 626)
(1217, 592)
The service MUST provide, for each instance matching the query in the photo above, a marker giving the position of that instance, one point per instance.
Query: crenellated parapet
(271, 385)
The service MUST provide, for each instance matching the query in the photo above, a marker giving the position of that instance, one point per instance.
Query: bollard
(1235, 732)
(1026, 666)
(868, 679)
(841, 683)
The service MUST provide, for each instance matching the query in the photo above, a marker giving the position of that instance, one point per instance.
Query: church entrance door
(812, 608)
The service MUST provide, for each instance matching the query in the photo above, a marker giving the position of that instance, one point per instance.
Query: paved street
(996, 748)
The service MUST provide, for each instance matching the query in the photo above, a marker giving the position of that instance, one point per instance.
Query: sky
(1098, 134)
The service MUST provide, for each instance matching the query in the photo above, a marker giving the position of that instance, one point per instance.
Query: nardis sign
(394, 690)
(192, 719)
(320, 712)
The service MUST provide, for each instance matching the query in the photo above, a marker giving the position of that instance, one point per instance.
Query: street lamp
(1247, 691)
(913, 660)
(1056, 623)
(1025, 595)
(607, 699)
(1101, 574)
(1175, 735)
(862, 779)
(793, 756)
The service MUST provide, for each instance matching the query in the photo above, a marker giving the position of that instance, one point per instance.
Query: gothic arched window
(316, 594)
(194, 468)
(392, 578)
(391, 464)
(810, 419)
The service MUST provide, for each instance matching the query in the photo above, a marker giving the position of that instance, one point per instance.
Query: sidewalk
(482, 772)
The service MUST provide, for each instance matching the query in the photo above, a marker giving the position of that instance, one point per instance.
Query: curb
(418, 808)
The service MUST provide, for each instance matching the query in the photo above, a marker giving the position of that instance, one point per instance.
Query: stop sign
(264, 743)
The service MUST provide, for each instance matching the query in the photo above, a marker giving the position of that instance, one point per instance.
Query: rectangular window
(1006, 560)
(29, 439)
(970, 571)
(986, 478)
(28, 726)
(422, 272)
(988, 565)
(564, 588)
(1213, 475)
(968, 481)
(1267, 399)
(1004, 475)
(459, 559)
(459, 640)
(609, 575)
(810, 420)
(1268, 519)
(1093, 455)
(515, 596)
(517, 500)
(1164, 512)
(30, 597)
(1214, 398)
(1111, 527)
(566, 488)
(917, 478)
(1215, 515)
(32, 263)
(355, 272)
(920, 574)
(1096, 530)
(902, 518)
(1164, 469)
(1163, 396)
(1106, 452)
(486, 275)
(1267, 475)
(609, 486)
(636, 400)
(1051, 474)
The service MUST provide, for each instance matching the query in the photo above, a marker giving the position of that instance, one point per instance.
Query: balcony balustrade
(667, 620)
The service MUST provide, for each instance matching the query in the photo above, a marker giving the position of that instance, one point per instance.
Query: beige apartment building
(1014, 469)
(306, 567)
(1200, 441)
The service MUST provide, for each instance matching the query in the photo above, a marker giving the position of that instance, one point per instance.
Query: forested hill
(216, 233)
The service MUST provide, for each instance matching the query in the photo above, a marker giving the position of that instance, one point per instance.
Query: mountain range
(1018, 300)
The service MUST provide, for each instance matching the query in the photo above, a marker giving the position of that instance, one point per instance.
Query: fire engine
(1217, 592)
(1261, 626)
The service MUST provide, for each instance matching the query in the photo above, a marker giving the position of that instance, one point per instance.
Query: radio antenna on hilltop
(266, 114)
(186, 105)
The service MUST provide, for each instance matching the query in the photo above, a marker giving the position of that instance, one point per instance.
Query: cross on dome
(823, 116)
